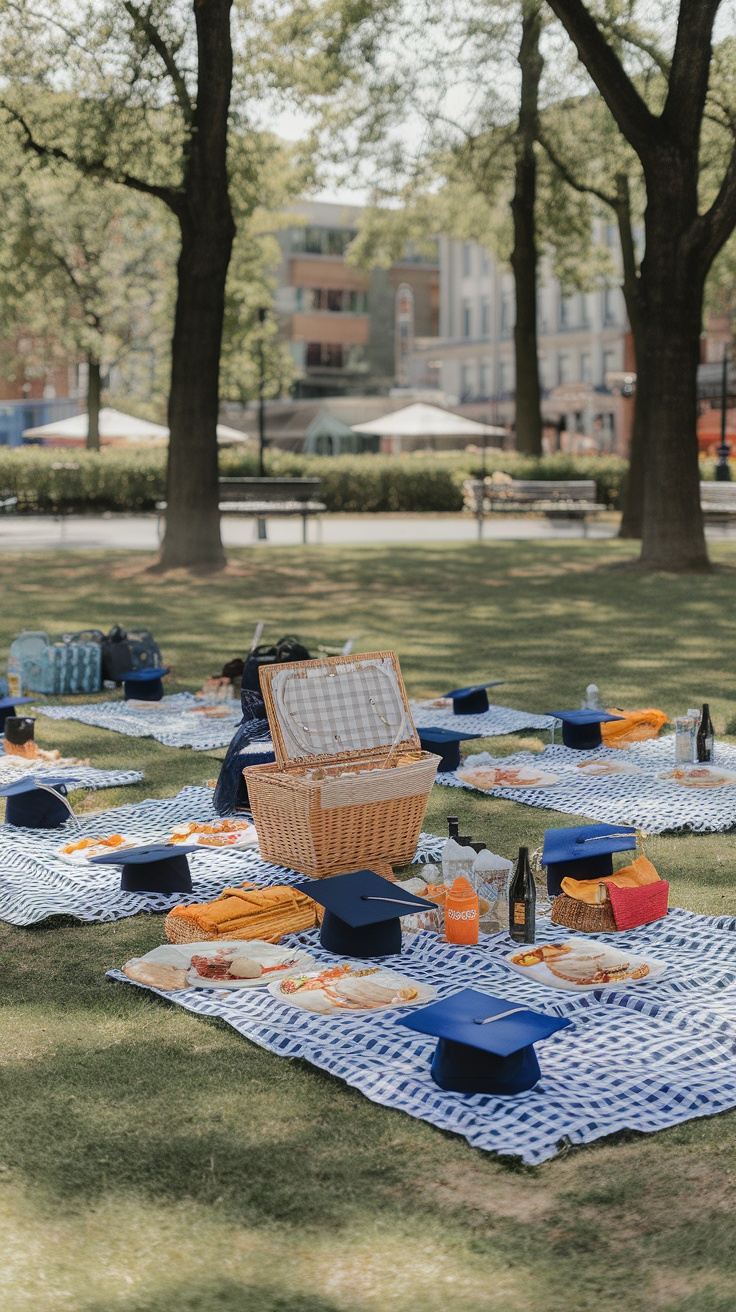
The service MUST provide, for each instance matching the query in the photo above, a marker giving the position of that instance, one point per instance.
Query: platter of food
(578, 965)
(216, 833)
(233, 964)
(699, 776)
(79, 851)
(348, 986)
(485, 777)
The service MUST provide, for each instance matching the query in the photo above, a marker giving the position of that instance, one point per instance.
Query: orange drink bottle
(461, 912)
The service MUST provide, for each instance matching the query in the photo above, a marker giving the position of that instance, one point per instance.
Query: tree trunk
(94, 389)
(632, 514)
(192, 535)
(633, 507)
(524, 257)
(672, 285)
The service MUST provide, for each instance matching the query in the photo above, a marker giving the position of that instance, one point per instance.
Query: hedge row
(50, 481)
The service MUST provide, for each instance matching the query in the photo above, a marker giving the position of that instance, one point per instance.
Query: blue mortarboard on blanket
(144, 685)
(472, 700)
(581, 730)
(7, 707)
(583, 852)
(445, 743)
(476, 1053)
(38, 803)
(362, 912)
(152, 868)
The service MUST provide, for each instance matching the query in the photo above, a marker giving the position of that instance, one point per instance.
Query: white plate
(287, 961)
(484, 778)
(699, 776)
(329, 1003)
(180, 955)
(541, 974)
(82, 856)
(600, 769)
(434, 703)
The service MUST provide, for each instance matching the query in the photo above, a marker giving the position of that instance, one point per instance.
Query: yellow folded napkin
(594, 891)
(633, 727)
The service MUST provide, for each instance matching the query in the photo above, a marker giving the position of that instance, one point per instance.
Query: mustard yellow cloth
(634, 727)
(641, 871)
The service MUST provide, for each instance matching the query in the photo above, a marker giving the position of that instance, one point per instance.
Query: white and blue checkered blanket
(640, 1059)
(652, 804)
(13, 768)
(174, 721)
(493, 723)
(36, 884)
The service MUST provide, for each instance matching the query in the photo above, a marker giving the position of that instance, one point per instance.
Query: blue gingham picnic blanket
(652, 804)
(642, 1058)
(173, 721)
(13, 768)
(36, 884)
(494, 722)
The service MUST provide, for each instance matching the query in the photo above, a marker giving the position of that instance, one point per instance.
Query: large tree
(683, 237)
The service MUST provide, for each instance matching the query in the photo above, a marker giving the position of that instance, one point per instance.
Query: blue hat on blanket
(472, 700)
(581, 730)
(144, 685)
(362, 913)
(583, 852)
(476, 1053)
(38, 802)
(152, 868)
(446, 744)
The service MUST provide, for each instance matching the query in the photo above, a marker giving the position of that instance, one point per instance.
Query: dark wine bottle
(453, 826)
(705, 741)
(523, 901)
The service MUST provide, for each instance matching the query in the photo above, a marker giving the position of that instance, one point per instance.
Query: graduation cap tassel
(488, 1020)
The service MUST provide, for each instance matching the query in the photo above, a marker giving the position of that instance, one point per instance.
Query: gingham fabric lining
(36, 884)
(172, 721)
(641, 1059)
(651, 804)
(339, 708)
(13, 768)
(494, 722)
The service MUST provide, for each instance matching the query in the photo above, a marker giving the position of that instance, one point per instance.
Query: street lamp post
(723, 471)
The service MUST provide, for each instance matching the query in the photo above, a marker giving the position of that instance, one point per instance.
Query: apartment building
(584, 346)
(350, 331)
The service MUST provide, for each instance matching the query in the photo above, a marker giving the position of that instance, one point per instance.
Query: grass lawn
(153, 1162)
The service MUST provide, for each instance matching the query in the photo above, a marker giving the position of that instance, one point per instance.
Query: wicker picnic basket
(350, 783)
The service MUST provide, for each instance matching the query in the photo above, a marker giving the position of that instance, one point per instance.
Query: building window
(467, 259)
(485, 318)
(466, 382)
(507, 314)
(332, 299)
(609, 365)
(505, 377)
(467, 319)
(486, 380)
(485, 262)
(324, 355)
(563, 369)
(609, 307)
(586, 371)
(569, 311)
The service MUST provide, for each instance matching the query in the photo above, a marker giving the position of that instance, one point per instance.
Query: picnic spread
(525, 1004)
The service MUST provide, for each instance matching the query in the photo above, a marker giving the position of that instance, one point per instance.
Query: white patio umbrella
(421, 420)
(115, 426)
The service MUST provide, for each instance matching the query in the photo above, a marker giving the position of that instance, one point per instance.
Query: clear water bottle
(592, 699)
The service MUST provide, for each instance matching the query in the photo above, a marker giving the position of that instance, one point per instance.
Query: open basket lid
(342, 707)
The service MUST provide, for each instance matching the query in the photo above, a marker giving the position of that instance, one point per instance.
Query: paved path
(138, 532)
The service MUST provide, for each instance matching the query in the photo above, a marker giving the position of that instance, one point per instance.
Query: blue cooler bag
(55, 668)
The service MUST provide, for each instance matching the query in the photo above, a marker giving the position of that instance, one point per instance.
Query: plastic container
(461, 913)
(457, 862)
(491, 875)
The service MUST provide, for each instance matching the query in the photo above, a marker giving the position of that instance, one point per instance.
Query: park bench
(718, 503)
(259, 498)
(568, 499)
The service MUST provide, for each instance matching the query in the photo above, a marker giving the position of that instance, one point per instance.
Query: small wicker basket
(583, 917)
(350, 784)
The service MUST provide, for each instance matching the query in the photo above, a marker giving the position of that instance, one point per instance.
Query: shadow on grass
(218, 1295)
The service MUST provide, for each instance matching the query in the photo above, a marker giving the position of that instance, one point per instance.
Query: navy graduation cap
(446, 744)
(485, 1044)
(581, 730)
(473, 700)
(153, 868)
(144, 685)
(362, 913)
(38, 803)
(7, 708)
(583, 852)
